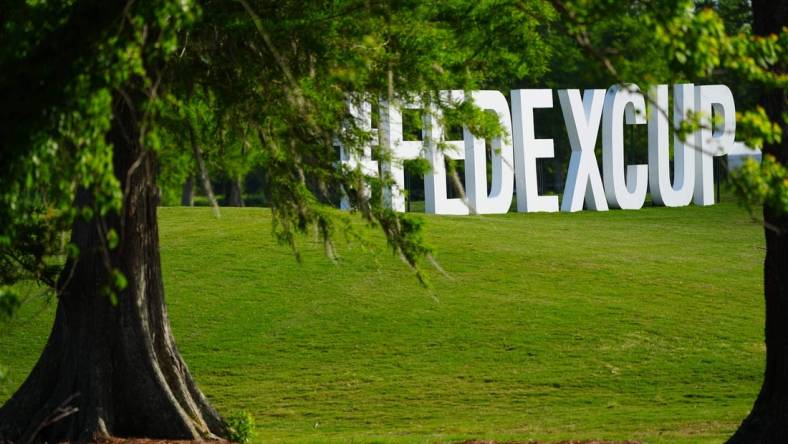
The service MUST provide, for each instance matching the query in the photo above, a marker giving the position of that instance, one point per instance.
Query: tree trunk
(234, 193)
(768, 420)
(187, 193)
(112, 369)
(204, 177)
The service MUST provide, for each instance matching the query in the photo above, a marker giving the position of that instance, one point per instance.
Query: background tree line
(237, 175)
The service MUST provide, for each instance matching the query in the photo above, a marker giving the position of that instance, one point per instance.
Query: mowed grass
(639, 325)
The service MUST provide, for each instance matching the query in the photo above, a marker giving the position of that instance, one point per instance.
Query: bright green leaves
(696, 41)
(63, 70)
(405, 237)
(114, 285)
(241, 428)
(755, 128)
(482, 124)
(112, 239)
(697, 44)
(418, 166)
(755, 56)
(763, 184)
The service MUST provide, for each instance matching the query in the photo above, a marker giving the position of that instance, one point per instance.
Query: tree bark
(234, 193)
(187, 193)
(768, 419)
(112, 369)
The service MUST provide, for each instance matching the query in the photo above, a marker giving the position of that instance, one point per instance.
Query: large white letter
(582, 118)
(719, 100)
(662, 192)
(391, 128)
(626, 193)
(362, 114)
(500, 197)
(435, 200)
(527, 148)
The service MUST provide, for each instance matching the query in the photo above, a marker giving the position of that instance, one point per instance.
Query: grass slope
(639, 325)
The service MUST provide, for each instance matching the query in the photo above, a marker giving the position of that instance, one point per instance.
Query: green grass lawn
(621, 325)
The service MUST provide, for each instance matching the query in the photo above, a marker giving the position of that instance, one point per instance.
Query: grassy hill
(621, 325)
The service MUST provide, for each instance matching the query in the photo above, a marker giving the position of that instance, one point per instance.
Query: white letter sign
(709, 99)
(435, 200)
(513, 161)
(502, 189)
(582, 118)
(528, 148)
(626, 193)
(679, 193)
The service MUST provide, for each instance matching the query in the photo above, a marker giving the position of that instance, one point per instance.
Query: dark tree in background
(768, 420)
